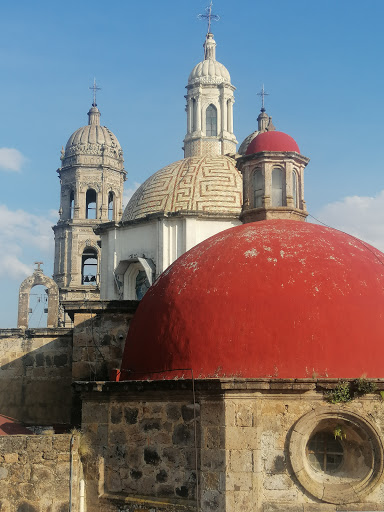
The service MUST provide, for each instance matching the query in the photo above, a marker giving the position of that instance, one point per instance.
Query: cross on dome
(209, 17)
(94, 88)
(262, 93)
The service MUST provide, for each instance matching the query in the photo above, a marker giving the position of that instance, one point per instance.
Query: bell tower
(209, 107)
(273, 178)
(91, 192)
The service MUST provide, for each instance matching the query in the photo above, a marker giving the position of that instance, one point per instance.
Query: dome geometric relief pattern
(207, 184)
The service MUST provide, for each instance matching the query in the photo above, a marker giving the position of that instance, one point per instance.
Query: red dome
(272, 141)
(277, 298)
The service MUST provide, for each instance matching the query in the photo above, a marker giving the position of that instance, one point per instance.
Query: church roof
(209, 71)
(204, 184)
(92, 137)
(277, 298)
(272, 141)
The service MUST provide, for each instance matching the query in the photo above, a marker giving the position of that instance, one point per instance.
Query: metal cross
(38, 263)
(262, 93)
(209, 16)
(94, 88)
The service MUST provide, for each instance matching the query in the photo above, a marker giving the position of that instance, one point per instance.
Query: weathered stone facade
(244, 452)
(38, 366)
(92, 176)
(37, 472)
(36, 375)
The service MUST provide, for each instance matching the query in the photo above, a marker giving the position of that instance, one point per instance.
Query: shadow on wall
(36, 376)
(38, 366)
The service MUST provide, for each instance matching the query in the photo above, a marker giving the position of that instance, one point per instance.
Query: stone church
(214, 351)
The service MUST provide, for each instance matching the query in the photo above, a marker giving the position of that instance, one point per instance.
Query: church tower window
(91, 204)
(294, 188)
(89, 266)
(277, 187)
(258, 188)
(71, 204)
(111, 206)
(211, 121)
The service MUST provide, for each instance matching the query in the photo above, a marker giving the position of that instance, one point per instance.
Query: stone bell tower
(209, 107)
(91, 177)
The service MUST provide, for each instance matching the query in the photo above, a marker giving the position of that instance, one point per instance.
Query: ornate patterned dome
(203, 184)
(93, 139)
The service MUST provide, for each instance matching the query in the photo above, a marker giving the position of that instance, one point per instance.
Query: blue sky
(321, 63)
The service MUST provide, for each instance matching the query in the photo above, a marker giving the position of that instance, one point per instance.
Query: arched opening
(89, 267)
(294, 188)
(111, 203)
(71, 204)
(142, 284)
(211, 121)
(90, 200)
(277, 187)
(38, 307)
(258, 187)
(229, 116)
(193, 113)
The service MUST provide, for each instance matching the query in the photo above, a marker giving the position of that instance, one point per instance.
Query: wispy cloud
(19, 232)
(128, 193)
(360, 216)
(11, 159)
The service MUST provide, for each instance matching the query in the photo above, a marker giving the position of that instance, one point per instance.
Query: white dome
(93, 138)
(209, 71)
(211, 185)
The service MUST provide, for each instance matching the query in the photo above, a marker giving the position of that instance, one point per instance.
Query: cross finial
(94, 88)
(262, 93)
(209, 16)
(38, 263)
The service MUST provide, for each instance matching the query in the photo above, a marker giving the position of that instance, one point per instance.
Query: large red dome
(272, 141)
(277, 298)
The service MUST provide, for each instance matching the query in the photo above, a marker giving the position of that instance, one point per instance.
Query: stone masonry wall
(35, 473)
(144, 447)
(99, 338)
(35, 375)
(251, 441)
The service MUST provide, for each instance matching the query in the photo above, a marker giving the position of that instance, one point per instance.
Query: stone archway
(38, 278)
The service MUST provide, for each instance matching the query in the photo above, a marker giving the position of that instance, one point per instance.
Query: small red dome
(272, 141)
(277, 298)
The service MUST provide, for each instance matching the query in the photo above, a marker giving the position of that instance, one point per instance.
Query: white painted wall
(161, 240)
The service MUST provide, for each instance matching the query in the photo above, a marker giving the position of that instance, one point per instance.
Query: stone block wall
(99, 334)
(35, 473)
(143, 447)
(252, 446)
(36, 375)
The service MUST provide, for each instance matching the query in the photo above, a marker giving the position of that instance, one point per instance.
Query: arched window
(258, 187)
(294, 188)
(38, 307)
(89, 266)
(193, 113)
(111, 203)
(90, 204)
(211, 121)
(277, 187)
(71, 204)
(142, 284)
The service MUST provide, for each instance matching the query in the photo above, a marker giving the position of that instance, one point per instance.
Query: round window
(336, 455)
(325, 452)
